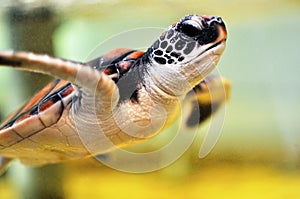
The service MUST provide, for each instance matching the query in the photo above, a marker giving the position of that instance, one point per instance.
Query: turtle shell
(117, 62)
(45, 117)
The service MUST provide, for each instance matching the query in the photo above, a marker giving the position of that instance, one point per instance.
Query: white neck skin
(202, 66)
(169, 80)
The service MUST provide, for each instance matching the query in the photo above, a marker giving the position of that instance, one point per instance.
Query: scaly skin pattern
(119, 99)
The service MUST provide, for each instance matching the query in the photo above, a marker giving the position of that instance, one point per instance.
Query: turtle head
(191, 47)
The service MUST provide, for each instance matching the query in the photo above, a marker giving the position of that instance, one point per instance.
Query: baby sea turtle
(127, 95)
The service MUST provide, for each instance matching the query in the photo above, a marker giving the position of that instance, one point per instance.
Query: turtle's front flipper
(79, 74)
(4, 162)
(205, 99)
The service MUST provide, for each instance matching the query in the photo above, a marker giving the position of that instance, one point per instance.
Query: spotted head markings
(183, 38)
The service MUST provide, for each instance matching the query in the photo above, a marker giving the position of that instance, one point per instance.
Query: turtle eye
(189, 28)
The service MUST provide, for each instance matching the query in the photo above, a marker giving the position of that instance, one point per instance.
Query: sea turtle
(127, 95)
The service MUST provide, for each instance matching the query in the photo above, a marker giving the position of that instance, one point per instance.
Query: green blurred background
(258, 153)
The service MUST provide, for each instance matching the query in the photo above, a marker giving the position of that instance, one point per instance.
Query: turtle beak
(215, 23)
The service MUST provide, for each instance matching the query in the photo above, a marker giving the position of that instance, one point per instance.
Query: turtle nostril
(215, 19)
(219, 20)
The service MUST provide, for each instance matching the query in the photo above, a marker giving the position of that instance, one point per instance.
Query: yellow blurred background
(258, 153)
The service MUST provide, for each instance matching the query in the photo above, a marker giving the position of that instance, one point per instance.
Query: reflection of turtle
(127, 95)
